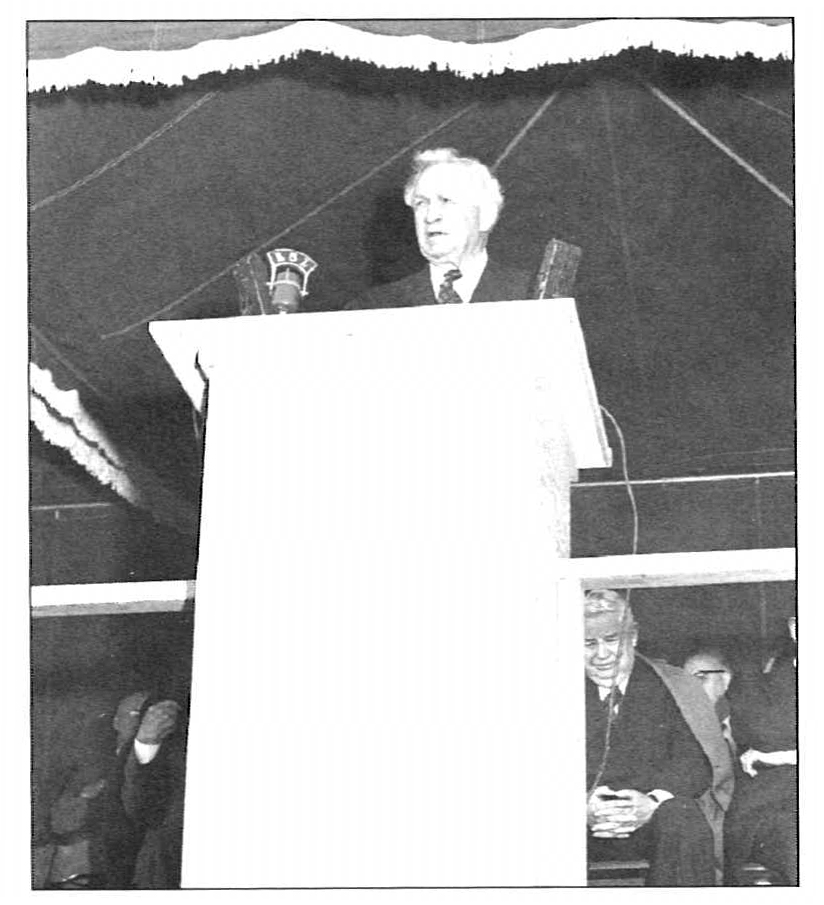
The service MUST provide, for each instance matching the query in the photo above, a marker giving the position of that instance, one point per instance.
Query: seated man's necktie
(615, 699)
(447, 294)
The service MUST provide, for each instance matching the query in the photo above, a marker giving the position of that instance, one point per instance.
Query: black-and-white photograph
(317, 539)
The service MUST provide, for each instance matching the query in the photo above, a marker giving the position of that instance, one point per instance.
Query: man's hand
(616, 815)
(158, 722)
(751, 757)
(748, 761)
(92, 789)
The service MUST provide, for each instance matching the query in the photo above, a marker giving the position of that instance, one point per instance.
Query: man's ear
(486, 218)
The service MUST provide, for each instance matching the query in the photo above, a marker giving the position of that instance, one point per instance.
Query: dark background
(685, 291)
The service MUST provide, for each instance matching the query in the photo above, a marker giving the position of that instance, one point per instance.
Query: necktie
(726, 731)
(446, 294)
(616, 698)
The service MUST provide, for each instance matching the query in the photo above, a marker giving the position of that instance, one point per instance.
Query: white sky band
(542, 46)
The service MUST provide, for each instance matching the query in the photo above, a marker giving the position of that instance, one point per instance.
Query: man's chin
(437, 254)
(603, 681)
(436, 259)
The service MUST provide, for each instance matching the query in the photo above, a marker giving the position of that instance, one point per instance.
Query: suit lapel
(420, 290)
(417, 288)
(487, 289)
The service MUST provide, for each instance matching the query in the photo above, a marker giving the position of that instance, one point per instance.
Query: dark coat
(497, 283)
(695, 714)
(108, 802)
(762, 823)
(651, 745)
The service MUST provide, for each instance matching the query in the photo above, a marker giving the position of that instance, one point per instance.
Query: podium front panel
(385, 691)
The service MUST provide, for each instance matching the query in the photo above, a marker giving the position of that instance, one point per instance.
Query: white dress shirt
(621, 684)
(145, 752)
(471, 273)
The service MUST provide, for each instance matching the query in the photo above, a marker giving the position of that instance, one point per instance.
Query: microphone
(290, 273)
(282, 292)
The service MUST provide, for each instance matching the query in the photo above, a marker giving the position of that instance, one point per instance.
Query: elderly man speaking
(659, 774)
(455, 202)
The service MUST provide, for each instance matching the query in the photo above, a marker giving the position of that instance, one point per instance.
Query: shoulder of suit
(681, 685)
(397, 293)
(687, 692)
(662, 667)
(515, 277)
(496, 266)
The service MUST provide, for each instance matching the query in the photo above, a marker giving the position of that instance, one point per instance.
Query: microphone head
(287, 290)
(290, 271)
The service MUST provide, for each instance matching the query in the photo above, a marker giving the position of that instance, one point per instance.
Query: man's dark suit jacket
(651, 745)
(762, 822)
(497, 283)
(132, 797)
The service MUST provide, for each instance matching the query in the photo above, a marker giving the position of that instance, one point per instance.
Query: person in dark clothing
(762, 823)
(712, 669)
(456, 202)
(117, 789)
(646, 766)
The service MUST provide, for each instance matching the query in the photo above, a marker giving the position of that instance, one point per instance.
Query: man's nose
(433, 211)
(602, 650)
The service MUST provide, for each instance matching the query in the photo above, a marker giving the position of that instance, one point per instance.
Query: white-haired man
(456, 202)
(659, 774)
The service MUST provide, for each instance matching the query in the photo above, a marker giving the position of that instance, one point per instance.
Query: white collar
(471, 273)
(621, 685)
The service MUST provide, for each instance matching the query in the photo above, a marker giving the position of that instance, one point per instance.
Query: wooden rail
(644, 570)
(112, 599)
(666, 570)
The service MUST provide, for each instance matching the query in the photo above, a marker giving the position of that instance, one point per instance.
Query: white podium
(386, 691)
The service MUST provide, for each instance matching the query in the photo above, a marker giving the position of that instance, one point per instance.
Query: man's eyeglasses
(709, 672)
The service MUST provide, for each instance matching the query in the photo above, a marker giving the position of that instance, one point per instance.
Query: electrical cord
(627, 484)
(623, 630)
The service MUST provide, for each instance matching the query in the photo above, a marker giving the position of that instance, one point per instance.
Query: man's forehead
(443, 178)
(700, 662)
(599, 624)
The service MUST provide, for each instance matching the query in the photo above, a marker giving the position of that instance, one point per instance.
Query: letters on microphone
(279, 293)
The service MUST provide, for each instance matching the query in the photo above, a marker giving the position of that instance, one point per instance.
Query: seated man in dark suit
(117, 789)
(762, 823)
(658, 769)
(456, 202)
